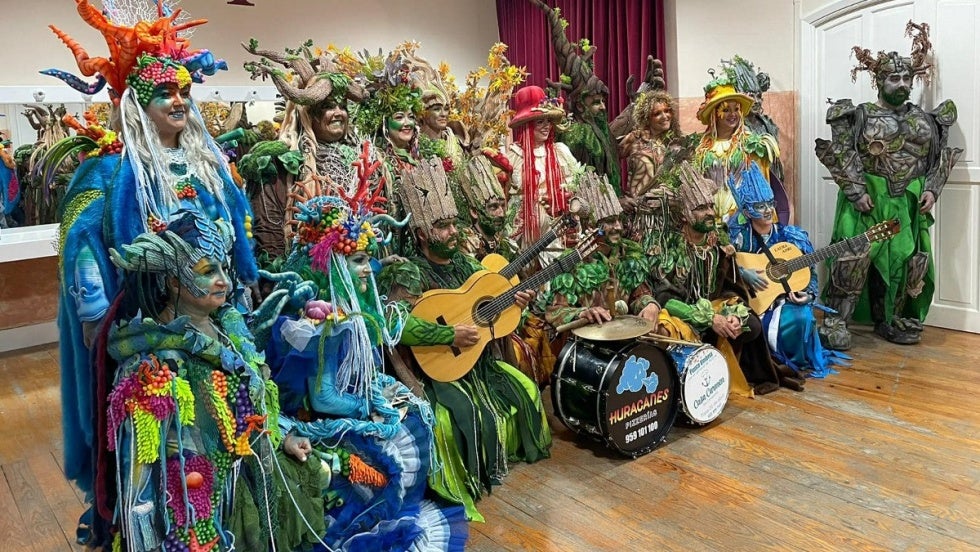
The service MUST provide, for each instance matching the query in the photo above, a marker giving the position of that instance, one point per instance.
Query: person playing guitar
(493, 413)
(794, 342)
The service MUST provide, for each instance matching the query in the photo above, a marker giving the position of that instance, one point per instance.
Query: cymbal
(622, 327)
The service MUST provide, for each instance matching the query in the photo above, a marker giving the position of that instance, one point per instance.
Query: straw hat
(717, 92)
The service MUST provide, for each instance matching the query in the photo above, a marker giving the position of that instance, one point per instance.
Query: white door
(826, 38)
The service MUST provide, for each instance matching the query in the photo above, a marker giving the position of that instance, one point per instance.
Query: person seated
(371, 433)
(700, 299)
(492, 414)
(191, 420)
(793, 340)
(613, 279)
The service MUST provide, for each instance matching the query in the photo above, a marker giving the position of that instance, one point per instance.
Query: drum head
(622, 327)
(640, 403)
(704, 383)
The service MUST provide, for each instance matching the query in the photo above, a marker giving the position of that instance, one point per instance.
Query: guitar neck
(528, 255)
(498, 304)
(832, 250)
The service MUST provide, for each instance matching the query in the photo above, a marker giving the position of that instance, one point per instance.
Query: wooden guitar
(498, 263)
(485, 300)
(791, 269)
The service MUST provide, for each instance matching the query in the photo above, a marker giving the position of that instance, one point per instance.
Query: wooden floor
(883, 456)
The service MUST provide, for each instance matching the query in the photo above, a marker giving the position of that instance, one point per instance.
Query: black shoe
(764, 388)
(895, 335)
(793, 383)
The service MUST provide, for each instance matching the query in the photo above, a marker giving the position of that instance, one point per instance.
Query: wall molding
(22, 337)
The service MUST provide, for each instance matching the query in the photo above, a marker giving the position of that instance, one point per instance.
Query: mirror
(27, 128)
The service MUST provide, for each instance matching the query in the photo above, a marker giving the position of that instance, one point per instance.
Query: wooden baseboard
(28, 336)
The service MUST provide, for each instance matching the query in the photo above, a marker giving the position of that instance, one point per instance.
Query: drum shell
(586, 399)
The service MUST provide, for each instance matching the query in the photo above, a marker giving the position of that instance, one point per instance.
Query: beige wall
(702, 32)
(457, 31)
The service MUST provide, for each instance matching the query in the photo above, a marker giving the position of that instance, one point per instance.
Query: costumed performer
(789, 323)
(891, 161)
(191, 419)
(371, 434)
(169, 163)
(491, 415)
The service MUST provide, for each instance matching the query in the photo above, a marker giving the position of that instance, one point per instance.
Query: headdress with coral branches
(127, 44)
(343, 224)
(884, 64)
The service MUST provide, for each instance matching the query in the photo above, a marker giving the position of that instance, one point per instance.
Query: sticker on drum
(622, 394)
(704, 381)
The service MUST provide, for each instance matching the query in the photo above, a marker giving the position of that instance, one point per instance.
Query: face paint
(401, 129)
(443, 239)
(660, 118)
(329, 122)
(167, 109)
(436, 116)
(208, 290)
(359, 266)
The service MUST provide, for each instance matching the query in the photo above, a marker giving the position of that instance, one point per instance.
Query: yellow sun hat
(715, 93)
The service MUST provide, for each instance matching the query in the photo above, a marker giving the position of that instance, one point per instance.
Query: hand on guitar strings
(523, 298)
(726, 326)
(465, 336)
(756, 279)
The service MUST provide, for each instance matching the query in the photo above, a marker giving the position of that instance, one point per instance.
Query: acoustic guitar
(485, 300)
(791, 269)
(498, 263)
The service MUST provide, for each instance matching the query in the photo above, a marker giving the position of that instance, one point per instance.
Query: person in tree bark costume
(700, 297)
(616, 272)
(587, 134)
(316, 148)
(493, 414)
(891, 161)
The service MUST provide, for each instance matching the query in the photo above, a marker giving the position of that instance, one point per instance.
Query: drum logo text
(639, 406)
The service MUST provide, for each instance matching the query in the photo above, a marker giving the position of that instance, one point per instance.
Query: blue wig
(752, 188)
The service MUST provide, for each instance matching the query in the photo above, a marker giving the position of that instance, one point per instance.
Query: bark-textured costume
(694, 281)
(790, 327)
(587, 135)
(493, 414)
(309, 158)
(113, 198)
(895, 153)
(373, 436)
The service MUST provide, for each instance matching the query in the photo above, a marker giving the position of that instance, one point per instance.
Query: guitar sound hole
(480, 315)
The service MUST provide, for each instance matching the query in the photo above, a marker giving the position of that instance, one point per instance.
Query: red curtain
(624, 32)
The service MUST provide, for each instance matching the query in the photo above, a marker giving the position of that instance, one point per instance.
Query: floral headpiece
(884, 64)
(128, 43)
(483, 112)
(391, 85)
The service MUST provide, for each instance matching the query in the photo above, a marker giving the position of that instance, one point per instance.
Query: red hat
(531, 104)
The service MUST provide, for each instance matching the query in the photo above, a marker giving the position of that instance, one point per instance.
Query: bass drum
(704, 382)
(621, 393)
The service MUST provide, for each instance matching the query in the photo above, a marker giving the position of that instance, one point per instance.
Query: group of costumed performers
(208, 404)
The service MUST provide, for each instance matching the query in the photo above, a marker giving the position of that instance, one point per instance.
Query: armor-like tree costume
(891, 161)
